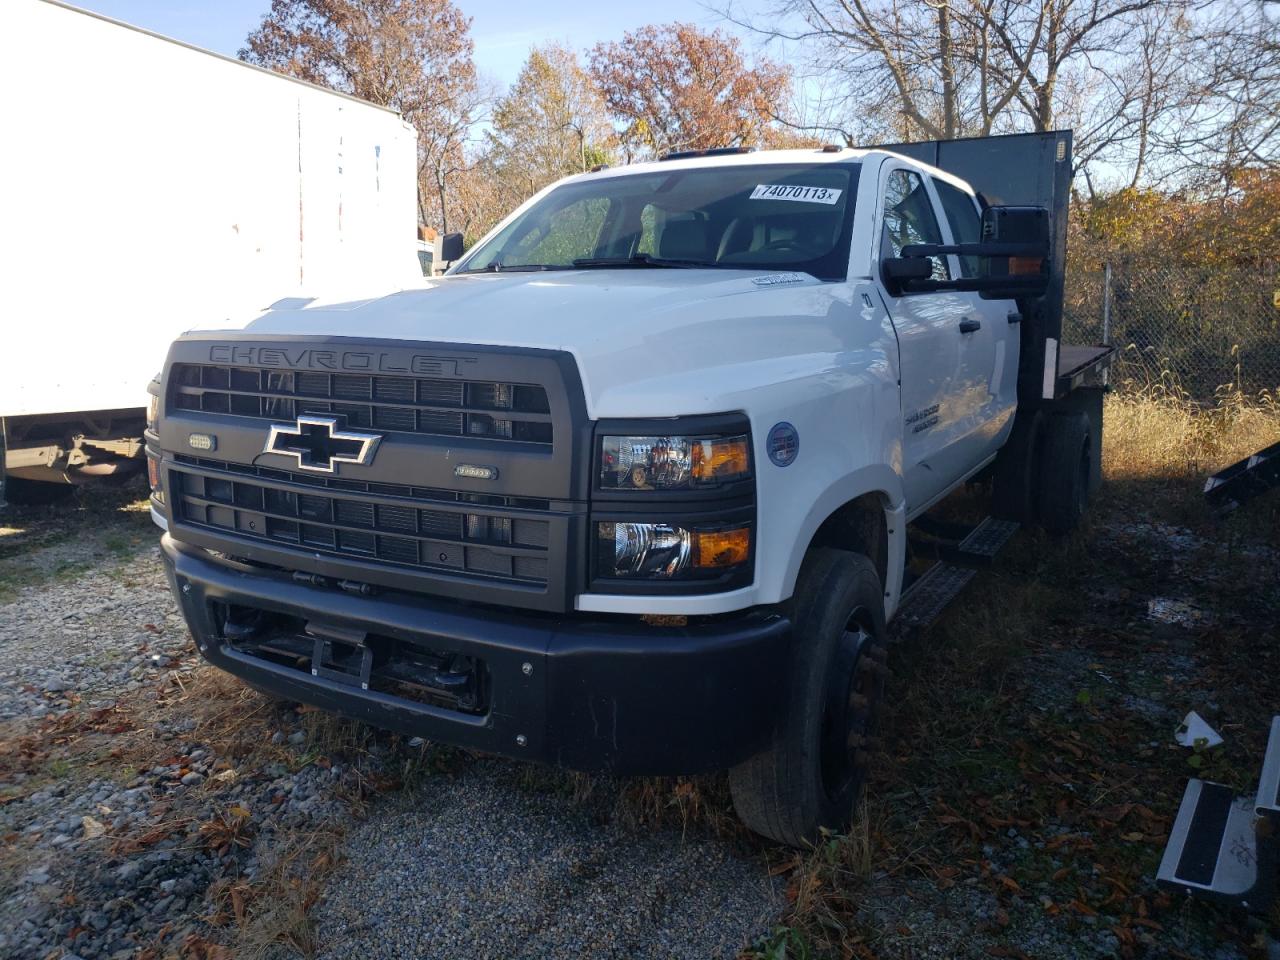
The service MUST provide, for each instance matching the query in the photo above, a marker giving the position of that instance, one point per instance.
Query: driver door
(928, 327)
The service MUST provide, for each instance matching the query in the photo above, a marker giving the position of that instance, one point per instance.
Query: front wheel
(33, 493)
(811, 776)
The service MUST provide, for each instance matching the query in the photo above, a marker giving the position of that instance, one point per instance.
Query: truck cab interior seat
(684, 240)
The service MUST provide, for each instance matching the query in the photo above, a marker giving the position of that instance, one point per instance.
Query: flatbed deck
(1082, 366)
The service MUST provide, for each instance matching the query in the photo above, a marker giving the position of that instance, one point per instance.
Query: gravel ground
(151, 807)
(148, 804)
(480, 865)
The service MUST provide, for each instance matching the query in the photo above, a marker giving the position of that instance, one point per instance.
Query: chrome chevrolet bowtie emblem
(319, 443)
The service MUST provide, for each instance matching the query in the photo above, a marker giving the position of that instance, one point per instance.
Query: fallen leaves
(92, 828)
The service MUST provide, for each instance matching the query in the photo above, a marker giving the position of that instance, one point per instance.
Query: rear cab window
(962, 215)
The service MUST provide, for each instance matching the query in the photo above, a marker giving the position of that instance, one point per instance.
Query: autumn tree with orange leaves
(675, 87)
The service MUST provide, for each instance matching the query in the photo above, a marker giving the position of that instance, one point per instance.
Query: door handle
(969, 325)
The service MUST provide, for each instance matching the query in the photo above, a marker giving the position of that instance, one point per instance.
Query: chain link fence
(1204, 330)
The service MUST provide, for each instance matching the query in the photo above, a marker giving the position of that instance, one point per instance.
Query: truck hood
(648, 342)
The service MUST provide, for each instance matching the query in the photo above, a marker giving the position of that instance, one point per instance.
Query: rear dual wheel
(811, 776)
(1066, 466)
(1044, 472)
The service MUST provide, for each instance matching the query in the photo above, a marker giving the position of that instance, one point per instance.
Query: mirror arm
(976, 249)
(1031, 284)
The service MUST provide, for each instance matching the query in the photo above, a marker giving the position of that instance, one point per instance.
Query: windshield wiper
(497, 267)
(639, 260)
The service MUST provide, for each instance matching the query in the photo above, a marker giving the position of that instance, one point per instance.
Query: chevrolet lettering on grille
(319, 443)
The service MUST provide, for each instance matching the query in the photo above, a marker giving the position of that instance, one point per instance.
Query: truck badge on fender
(319, 443)
(922, 420)
(783, 444)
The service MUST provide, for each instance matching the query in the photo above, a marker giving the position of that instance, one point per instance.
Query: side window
(568, 234)
(966, 224)
(909, 218)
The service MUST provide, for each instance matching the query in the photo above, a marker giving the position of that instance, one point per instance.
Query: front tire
(812, 775)
(33, 493)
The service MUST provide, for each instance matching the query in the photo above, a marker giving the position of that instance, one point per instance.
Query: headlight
(153, 404)
(672, 463)
(664, 551)
(153, 477)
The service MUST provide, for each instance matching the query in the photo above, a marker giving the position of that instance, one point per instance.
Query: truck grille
(409, 527)
(415, 405)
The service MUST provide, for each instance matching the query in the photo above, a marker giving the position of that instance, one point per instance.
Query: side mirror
(1016, 225)
(901, 272)
(451, 247)
(1020, 274)
(1013, 255)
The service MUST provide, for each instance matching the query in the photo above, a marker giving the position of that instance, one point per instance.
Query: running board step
(1242, 481)
(1223, 847)
(1212, 851)
(924, 601)
(1269, 784)
(982, 544)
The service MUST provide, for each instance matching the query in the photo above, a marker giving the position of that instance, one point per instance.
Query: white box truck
(153, 187)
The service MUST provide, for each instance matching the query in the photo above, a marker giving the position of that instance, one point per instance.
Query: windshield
(765, 217)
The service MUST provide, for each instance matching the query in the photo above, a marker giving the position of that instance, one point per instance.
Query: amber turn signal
(727, 459)
(721, 548)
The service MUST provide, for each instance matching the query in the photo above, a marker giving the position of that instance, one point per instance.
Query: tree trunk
(948, 72)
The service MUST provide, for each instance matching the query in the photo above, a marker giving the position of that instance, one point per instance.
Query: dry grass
(274, 910)
(1027, 685)
(1159, 433)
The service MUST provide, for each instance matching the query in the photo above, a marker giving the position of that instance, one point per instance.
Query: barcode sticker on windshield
(790, 191)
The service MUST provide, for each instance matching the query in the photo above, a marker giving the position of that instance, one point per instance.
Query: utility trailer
(153, 187)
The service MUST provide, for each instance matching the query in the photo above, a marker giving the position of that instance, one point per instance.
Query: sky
(503, 30)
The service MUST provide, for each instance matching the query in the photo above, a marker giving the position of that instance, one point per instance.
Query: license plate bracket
(340, 654)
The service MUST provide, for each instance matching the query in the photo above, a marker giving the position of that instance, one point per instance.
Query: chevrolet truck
(636, 487)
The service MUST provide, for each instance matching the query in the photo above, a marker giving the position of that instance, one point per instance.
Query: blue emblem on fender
(783, 444)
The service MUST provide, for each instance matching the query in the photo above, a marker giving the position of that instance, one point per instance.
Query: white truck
(152, 187)
(630, 488)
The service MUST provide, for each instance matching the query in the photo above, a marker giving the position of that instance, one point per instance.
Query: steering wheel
(782, 245)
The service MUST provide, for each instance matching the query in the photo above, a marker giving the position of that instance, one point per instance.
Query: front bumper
(592, 695)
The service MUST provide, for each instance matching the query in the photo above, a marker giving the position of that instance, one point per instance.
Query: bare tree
(937, 69)
(1229, 120)
(899, 69)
